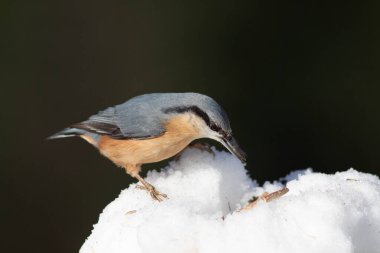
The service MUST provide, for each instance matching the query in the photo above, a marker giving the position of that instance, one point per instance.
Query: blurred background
(299, 80)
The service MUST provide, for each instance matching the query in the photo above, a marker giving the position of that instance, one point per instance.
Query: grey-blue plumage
(145, 116)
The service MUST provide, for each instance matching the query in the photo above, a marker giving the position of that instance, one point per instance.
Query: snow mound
(320, 213)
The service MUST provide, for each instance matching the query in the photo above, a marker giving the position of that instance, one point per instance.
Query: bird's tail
(67, 132)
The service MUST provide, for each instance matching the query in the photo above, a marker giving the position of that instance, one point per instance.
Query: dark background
(300, 82)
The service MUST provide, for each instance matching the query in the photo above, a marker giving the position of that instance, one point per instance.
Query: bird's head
(214, 122)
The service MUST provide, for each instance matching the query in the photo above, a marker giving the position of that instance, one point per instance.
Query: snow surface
(320, 213)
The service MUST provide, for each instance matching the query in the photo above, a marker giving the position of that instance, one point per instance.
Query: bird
(152, 127)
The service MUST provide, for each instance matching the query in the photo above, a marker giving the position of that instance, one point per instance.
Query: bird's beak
(234, 148)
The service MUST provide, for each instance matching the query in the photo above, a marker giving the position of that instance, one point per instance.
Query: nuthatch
(153, 127)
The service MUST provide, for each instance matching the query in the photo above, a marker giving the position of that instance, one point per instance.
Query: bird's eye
(215, 128)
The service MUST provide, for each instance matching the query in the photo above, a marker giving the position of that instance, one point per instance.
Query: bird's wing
(125, 121)
(140, 119)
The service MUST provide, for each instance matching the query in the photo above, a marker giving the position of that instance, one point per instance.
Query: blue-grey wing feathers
(131, 120)
(103, 123)
(145, 116)
(67, 132)
(140, 120)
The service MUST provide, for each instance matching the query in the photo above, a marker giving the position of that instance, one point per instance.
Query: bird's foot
(153, 192)
(157, 195)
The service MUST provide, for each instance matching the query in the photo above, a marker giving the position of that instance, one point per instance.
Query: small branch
(131, 212)
(267, 197)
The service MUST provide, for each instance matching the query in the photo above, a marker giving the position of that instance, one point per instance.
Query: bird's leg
(134, 171)
(152, 190)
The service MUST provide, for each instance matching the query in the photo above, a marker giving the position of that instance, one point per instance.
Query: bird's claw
(153, 192)
(158, 195)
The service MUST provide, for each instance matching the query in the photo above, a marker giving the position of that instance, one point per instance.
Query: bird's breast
(180, 131)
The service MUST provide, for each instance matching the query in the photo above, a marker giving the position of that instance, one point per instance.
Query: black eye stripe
(202, 114)
(195, 109)
(215, 128)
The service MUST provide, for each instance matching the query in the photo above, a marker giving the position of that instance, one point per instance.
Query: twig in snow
(267, 197)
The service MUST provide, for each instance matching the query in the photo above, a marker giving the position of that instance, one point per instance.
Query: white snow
(320, 213)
